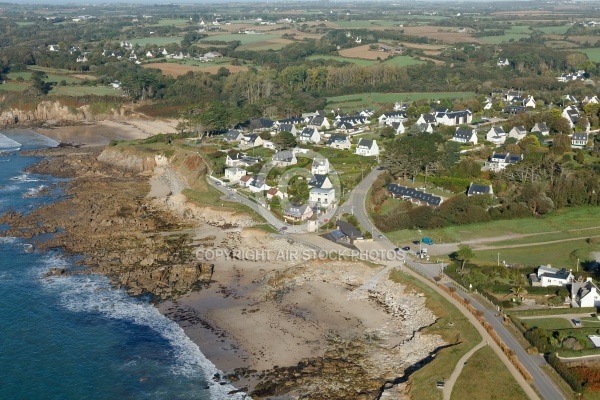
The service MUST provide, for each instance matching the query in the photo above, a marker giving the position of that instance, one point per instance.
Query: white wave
(32, 192)
(9, 188)
(8, 239)
(24, 178)
(84, 293)
(7, 144)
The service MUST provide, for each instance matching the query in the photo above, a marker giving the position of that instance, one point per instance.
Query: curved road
(356, 204)
(533, 363)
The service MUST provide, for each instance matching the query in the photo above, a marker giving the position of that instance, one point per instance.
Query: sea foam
(7, 144)
(94, 294)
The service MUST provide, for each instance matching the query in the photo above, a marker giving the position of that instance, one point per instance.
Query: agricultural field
(515, 33)
(51, 77)
(243, 38)
(366, 23)
(552, 30)
(593, 54)
(442, 33)
(170, 22)
(357, 61)
(273, 44)
(177, 69)
(157, 40)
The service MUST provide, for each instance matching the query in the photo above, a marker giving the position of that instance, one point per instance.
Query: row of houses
(438, 117)
(498, 136)
(582, 293)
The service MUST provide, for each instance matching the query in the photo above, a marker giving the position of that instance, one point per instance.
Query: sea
(77, 337)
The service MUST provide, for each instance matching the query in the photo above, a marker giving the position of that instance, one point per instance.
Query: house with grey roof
(584, 294)
(233, 136)
(339, 142)
(284, 158)
(518, 132)
(541, 127)
(321, 198)
(297, 212)
(320, 181)
(465, 135)
(496, 135)
(367, 147)
(475, 189)
(579, 139)
(309, 135)
(453, 118)
(349, 230)
(427, 119)
(415, 196)
(499, 161)
(320, 166)
(386, 119)
(548, 276)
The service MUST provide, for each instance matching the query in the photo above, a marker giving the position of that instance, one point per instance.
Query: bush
(565, 373)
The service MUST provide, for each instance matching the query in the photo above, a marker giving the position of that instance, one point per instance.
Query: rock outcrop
(46, 111)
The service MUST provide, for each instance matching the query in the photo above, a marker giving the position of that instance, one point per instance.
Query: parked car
(427, 241)
(380, 236)
(416, 241)
(406, 248)
(397, 249)
(576, 322)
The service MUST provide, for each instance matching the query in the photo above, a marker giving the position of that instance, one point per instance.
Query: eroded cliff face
(54, 111)
(129, 160)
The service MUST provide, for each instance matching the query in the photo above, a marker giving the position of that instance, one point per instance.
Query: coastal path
(449, 383)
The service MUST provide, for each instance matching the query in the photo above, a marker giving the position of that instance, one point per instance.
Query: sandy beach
(101, 133)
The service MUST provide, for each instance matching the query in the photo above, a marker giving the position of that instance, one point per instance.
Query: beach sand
(101, 133)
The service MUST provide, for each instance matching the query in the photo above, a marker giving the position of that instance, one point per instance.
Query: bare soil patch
(444, 34)
(362, 52)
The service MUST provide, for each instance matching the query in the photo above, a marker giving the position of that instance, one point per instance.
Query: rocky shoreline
(299, 329)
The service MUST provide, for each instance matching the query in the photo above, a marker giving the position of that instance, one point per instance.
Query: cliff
(57, 112)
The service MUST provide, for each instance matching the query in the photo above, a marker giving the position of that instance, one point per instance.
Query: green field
(51, 77)
(25, 23)
(593, 54)
(548, 323)
(481, 376)
(13, 87)
(453, 327)
(514, 33)
(157, 40)
(366, 23)
(372, 99)
(84, 91)
(244, 39)
(357, 61)
(171, 22)
(553, 30)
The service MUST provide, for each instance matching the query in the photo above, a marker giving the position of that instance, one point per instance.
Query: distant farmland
(357, 101)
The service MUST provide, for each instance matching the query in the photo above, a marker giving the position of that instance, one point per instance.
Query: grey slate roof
(399, 191)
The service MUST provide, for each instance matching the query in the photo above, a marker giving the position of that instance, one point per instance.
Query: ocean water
(77, 337)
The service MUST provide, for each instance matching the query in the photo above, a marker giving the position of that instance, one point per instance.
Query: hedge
(552, 311)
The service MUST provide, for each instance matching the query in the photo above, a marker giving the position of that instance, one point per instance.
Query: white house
(321, 182)
(496, 135)
(590, 100)
(311, 135)
(529, 102)
(258, 184)
(464, 135)
(499, 161)
(233, 136)
(53, 47)
(388, 118)
(502, 62)
(339, 142)
(284, 158)
(548, 276)
(518, 132)
(584, 294)
(320, 166)
(252, 140)
(274, 192)
(367, 147)
(267, 144)
(453, 118)
(319, 122)
(542, 128)
(579, 139)
(322, 198)
(427, 119)
(399, 128)
(240, 160)
(234, 174)
(81, 58)
(571, 114)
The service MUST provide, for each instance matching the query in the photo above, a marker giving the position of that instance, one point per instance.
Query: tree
(276, 203)
(37, 82)
(464, 254)
(284, 140)
(561, 144)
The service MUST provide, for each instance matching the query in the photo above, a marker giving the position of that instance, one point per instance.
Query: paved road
(541, 382)
(356, 205)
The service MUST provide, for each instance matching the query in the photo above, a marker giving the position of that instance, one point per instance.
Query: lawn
(171, 22)
(13, 87)
(514, 33)
(244, 39)
(402, 61)
(548, 323)
(157, 40)
(561, 220)
(51, 77)
(357, 61)
(453, 327)
(486, 377)
(552, 30)
(371, 99)
(593, 54)
(84, 91)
